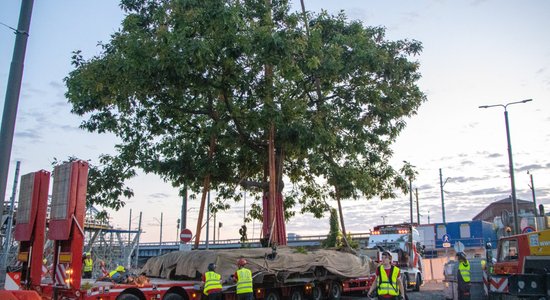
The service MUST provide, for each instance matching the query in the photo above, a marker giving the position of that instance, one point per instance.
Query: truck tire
(127, 297)
(296, 294)
(173, 296)
(406, 281)
(418, 283)
(272, 295)
(335, 290)
(316, 292)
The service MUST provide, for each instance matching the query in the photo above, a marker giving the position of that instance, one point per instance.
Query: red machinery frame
(66, 226)
(31, 225)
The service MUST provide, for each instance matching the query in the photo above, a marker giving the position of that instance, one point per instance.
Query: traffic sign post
(186, 235)
(446, 241)
(446, 244)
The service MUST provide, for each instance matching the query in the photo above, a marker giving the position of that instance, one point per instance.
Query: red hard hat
(241, 262)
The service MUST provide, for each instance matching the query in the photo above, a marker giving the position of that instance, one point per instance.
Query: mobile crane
(522, 267)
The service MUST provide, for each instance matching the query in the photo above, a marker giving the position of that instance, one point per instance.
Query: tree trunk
(205, 189)
(342, 225)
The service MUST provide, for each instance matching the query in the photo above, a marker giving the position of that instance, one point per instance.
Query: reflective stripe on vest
(211, 281)
(464, 271)
(88, 265)
(244, 281)
(385, 286)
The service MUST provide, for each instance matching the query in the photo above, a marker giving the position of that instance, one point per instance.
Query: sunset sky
(475, 53)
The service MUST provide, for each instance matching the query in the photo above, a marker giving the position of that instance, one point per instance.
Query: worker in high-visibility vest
(88, 266)
(243, 277)
(212, 284)
(119, 275)
(463, 277)
(387, 281)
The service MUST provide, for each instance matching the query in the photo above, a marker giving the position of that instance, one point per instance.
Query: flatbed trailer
(155, 289)
(66, 232)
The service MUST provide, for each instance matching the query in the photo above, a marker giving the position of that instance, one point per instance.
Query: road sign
(446, 241)
(186, 235)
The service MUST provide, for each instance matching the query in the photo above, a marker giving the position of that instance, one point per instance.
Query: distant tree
(334, 235)
(193, 88)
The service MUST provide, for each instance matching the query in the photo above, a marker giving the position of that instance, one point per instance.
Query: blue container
(473, 234)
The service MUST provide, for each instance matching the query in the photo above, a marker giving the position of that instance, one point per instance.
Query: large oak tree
(193, 87)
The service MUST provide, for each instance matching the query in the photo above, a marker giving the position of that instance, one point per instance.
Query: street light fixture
(510, 160)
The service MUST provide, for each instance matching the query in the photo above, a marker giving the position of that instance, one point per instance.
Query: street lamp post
(510, 160)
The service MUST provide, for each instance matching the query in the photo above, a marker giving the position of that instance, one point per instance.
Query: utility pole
(417, 207)
(428, 217)
(214, 231)
(220, 224)
(411, 198)
(532, 187)
(129, 226)
(441, 184)
(137, 242)
(207, 218)
(12, 96)
(183, 218)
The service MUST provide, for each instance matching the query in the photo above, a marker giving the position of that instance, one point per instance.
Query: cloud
(159, 195)
(478, 2)
(487, 191)
(426, 187)
(466, 162)
(531, 167)
(462, 179)
(31, 134)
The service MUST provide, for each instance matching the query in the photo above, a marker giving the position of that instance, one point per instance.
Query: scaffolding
(113, 246)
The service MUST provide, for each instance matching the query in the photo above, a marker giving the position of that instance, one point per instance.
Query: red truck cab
(511, 254)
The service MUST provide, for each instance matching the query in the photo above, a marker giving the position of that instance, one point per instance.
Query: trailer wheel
(173, 296)
(127, 297)
(296, 294)
(335, 290)
(272, 295)
(316, 292)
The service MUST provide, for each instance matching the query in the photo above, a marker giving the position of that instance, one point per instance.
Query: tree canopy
(191, 87)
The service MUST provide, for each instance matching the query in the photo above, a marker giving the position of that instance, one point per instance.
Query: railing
(308, 238)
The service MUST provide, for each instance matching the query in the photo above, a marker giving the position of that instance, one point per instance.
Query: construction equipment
(66, 232)
(522, 267)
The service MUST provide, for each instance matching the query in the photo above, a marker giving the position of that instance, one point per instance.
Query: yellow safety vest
(211, 282)
(88, 265)
(244, 281)
(385, 286)
(464, 271)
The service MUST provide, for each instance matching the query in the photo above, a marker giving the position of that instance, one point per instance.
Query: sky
(474, 53)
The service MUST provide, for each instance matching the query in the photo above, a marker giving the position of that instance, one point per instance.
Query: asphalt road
(428, 291)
